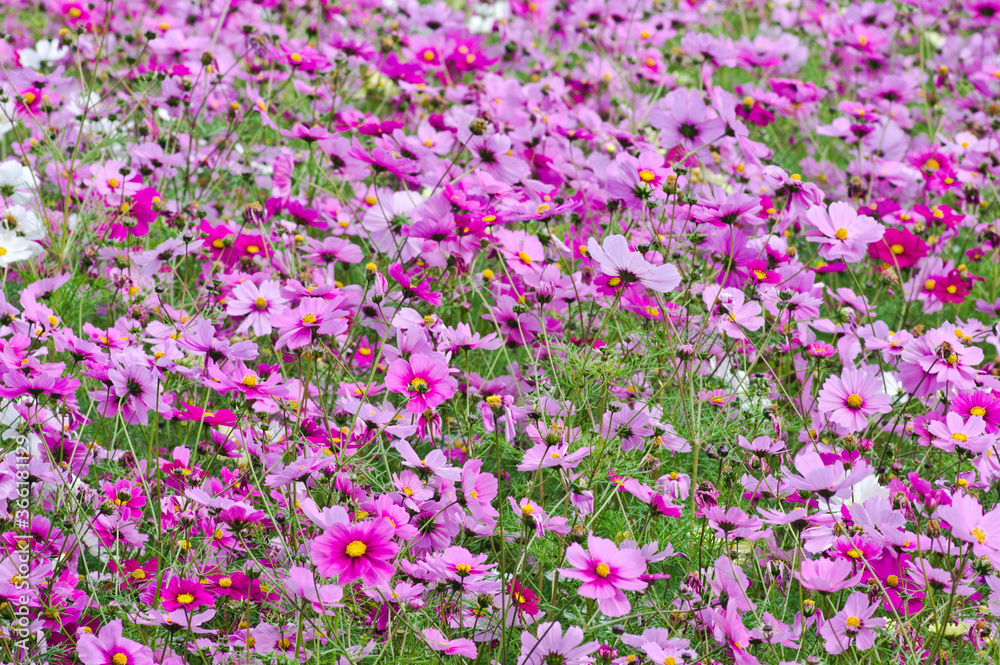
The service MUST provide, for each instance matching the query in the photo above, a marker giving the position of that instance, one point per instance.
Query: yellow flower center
(602, 570)
(309, 319)
(260, 303)
(355, 549)
(892, 581)
(295, 57)
(958, 436)
(854, 401)
(225, 582)
(977, 411)
(897, 249)
(417, 385)
(284, 643)
(524, 257)
(428, 55)
(979, 535)
(932, 164)
(841, 234)
(614, 281)
(951, 288)
(463, 569)
(119, 659)
(929, 285)
(112, 182)
(646, 176)
(139, 574)
(249, 381)
(185, 599)
(527, 509)
(253, 249)
(853, 622)
(854, 553)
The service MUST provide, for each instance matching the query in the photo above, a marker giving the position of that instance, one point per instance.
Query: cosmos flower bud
(478, 126)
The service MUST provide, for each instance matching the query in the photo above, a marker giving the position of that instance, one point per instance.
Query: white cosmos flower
(487, 14)
(14, 248)
(27, 223)
(45, 52)
(15, 182)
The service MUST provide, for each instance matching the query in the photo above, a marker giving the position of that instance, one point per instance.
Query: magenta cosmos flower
(854, 622)
(850, 398)
(110, 648)
(185, 594)
(898, 248)
(356, 550)
(424, 380)
(842, 233)
(606, 572)
(628, 267)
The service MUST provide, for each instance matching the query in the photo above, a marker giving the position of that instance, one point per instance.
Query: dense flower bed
(528, 333)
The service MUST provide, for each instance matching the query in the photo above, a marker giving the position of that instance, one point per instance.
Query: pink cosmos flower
(841, 232)
(457, 647)
(462, 337)
(730, 312)
(854, 622)
(969, 524)
(938, 361)
(827, 575)
(956, 432)
(257, 304)
(313, 316)
(134, 392)
(628, 267)
(108, 647)
(850, 398)
(301, 583)
(332, 249)
(356, 550)
(253, 384)
(606, 572)
(423, 379)
(685, 120)
(552, 646)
